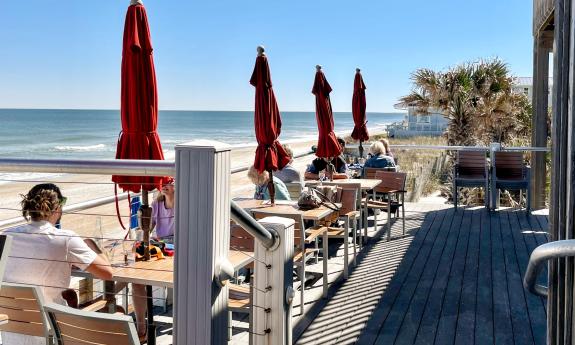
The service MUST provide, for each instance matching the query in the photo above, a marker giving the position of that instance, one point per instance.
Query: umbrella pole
(360, 149)
(272, 188)
(146, 216)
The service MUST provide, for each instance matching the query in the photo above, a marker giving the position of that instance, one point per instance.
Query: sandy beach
(83, 187)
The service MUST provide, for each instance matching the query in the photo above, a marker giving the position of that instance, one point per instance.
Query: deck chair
(393, 186)
(76, 327)
(347, 195)
(239, 300)
(23, 304)
(302, 236)
(294, 189)
(471, 170)
(509, 172)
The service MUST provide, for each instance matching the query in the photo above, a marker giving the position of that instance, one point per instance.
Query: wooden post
(560, 297)
(201, 242)
(273, 293)
(542, 46)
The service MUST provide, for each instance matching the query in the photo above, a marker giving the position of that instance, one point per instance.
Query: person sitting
(385, 143)
(43, 255)
(289, 173)
(163, 210)
(378, 158)
(261, 181)
(319, 164)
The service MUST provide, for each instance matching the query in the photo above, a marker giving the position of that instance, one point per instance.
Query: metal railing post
(202, 243)
(273, 293)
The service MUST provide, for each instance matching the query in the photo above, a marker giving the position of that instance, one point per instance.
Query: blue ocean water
(93, 134)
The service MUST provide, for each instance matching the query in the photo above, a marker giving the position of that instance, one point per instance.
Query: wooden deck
(455, 278)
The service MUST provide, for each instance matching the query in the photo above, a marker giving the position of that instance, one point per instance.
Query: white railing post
(273, 293)
(202, 242)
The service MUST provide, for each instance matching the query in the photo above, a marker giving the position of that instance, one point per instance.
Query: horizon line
(199, 110)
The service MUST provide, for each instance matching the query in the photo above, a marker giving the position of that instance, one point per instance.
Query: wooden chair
(239, 300)
(393, 185)
(471, 170)
(509, 172)
(294, 189)
(347, 195)
(76, 327)
(23, 304)
(302, 236)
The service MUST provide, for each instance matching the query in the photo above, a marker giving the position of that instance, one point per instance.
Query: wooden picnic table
(161, 272)
(283, 207)
(290, 207)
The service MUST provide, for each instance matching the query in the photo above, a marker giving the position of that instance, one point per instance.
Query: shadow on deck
(456, 277)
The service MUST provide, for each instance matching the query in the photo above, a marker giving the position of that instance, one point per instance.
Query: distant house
(525, 85)
(432, 124)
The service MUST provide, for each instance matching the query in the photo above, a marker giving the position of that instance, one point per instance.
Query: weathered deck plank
(448, 319)
(459, 280)
(535, 304)
(484, 311)
(466, 320)
(518, 307)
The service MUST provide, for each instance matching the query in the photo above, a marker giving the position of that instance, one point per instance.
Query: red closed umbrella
(270, 154)
(139, 101)
(358, 110)
(327, 145)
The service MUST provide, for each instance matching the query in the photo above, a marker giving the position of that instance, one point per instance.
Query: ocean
(93, 134)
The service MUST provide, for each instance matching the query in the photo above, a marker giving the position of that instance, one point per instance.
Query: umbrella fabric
(327, 145)
(270, 154)
(358, 109)
(139, 101)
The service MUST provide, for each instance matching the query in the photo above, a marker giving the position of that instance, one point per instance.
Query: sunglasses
(63, 201)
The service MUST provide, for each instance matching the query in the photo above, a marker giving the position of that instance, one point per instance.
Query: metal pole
(266, 236)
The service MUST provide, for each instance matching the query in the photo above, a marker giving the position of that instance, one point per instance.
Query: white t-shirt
(43, 255)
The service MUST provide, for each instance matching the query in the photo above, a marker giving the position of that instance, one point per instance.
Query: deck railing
(201, 271)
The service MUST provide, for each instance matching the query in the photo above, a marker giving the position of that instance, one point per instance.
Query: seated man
(289, 173)
(319, 164)
(378, 158)
(43, 255)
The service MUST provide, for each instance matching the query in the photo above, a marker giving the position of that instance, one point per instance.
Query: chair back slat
(390, 181)
(294, 189)
(509, 164)
(72, 326)
(23, 306)
(471, 163)
(350, 196)
(240, 239)
(370, 173)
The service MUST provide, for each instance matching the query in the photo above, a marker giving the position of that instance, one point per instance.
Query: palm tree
(477, 100)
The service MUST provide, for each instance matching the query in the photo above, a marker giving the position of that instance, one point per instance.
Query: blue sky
(67, 53)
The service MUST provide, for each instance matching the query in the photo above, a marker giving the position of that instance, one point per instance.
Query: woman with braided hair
(43, 255)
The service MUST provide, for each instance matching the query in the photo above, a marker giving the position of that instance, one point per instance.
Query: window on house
(526, 91)
(424, 119)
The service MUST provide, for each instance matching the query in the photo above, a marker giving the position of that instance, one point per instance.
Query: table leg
(151, 324)
(110, 296)
(325, 257)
